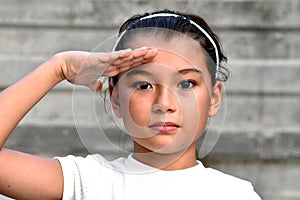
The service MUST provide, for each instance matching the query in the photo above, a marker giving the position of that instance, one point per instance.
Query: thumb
(95, 85)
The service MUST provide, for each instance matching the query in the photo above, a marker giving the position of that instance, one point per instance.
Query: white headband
(192, 22)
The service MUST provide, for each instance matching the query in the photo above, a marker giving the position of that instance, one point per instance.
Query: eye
(186, 84)
(142, 85)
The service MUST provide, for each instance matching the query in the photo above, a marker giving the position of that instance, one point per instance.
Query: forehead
(179, 52)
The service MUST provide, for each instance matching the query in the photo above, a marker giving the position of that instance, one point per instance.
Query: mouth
(164, 127)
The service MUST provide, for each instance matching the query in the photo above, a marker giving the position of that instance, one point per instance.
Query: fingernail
(125, 50)
(141, 49)
(153, 50)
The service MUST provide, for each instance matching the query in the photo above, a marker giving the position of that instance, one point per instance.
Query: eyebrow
(137, 72)
(145, 73)
(190, 70)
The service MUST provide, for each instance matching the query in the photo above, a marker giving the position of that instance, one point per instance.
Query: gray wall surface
(260, 140)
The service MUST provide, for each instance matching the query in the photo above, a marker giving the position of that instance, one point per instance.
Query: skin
(25, 176)
(164, 119)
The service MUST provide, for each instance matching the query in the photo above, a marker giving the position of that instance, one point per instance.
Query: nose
(164, 100)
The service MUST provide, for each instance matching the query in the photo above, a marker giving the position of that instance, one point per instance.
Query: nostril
(158, 108)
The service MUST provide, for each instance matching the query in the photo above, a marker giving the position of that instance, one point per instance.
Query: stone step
(237, 44)
(264, 76)
(103, 13)
(251, 76)
(53, 140)
(37, 42)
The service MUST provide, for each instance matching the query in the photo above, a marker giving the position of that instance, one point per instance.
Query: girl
(164, 94)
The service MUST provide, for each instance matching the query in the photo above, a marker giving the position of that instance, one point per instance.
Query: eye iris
(185, 84)
(143, 86)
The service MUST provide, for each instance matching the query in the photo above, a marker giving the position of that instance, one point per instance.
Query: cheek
(139, 110)
(195, 103)
(136, 109)
(195, 111)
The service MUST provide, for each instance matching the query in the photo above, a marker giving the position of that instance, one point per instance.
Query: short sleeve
(85, 178)
(230, 187)
(250, 194)
(244, 190)
(70, 174)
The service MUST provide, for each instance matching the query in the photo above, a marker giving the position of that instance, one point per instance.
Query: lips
(164, 126)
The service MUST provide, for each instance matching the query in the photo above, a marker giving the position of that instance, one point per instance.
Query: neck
(166, 161)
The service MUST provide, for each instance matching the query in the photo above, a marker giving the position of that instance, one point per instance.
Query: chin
(162, 146)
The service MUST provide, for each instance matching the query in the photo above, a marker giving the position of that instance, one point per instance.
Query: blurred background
(260, 141)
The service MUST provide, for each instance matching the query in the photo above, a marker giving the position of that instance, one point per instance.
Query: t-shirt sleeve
(70, 174)
(82, 175)
(245, 190)
(230, 187)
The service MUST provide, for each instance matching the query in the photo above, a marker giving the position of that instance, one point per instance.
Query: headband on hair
(192, 22)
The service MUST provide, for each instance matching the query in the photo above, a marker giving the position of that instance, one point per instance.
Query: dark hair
(179, 24)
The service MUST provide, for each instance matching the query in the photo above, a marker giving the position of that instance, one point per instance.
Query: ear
(114, 99)
(216, 99)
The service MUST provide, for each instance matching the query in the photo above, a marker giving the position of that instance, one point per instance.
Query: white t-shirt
(94, 177)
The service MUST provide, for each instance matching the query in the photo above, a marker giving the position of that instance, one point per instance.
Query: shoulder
(90, 160)
(230, 186)
(83, 176)
(224, 178)
(217, 177)
(90, 164)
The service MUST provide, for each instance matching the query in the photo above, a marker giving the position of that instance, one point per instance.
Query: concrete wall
(261, 137)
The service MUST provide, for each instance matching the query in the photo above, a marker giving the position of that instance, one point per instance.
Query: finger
(113, 70)
(116, 69)
(132, 63)
(103, 58)
(146, 61)
(126, 68)
(138, 60)
(151, 53)
(131, 59)
(127, 58)
(118, 57)
(137, 64)
(124, 53)
(122, 60)
(140, 52)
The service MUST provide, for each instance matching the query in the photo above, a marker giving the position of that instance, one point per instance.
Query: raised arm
(24, 176)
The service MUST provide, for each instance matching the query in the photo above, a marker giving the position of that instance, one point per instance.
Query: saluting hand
(85, 68)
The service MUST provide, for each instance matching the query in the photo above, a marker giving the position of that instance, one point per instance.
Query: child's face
(165, 103)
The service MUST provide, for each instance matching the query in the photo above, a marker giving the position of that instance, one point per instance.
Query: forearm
(19, 98)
